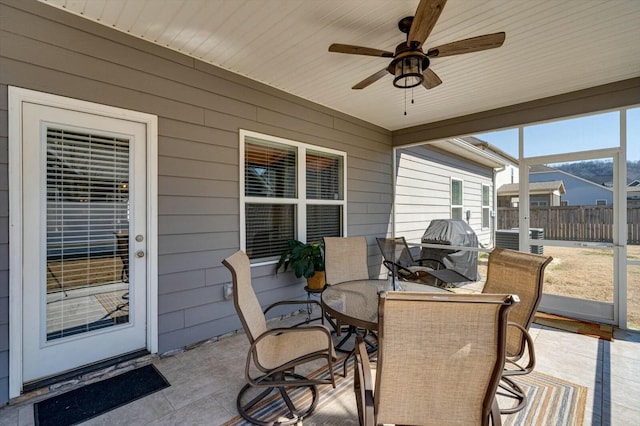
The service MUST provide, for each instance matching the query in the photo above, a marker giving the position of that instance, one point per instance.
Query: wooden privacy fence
(574, 223)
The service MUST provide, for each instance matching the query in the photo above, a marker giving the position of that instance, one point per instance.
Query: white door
(84, 293)
(587, 239)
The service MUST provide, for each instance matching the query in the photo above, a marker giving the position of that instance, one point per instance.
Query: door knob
(140, 253)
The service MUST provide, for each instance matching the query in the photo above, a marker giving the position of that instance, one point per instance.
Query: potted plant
(306, 260)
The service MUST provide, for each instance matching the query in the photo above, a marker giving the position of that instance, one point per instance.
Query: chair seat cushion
(277, 350)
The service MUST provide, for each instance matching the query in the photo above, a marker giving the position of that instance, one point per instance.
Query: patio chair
(345, 259)
(453, 379)
(276, 352)
(515, 272)
(399, 260)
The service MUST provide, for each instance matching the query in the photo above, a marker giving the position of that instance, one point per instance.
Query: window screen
(269, 170)
(456, 199)
(486, 206)
(324, 176)
(323, 221)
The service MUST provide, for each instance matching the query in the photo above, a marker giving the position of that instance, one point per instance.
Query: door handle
(140, 253)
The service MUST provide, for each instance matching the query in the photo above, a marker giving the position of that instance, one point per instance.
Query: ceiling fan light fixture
(408, 72)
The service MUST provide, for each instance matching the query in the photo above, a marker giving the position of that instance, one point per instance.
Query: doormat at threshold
(89, 401)
(592, 329)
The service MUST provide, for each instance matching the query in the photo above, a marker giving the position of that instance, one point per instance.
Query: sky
(576, 134)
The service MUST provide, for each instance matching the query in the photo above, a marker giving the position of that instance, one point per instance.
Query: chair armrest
(531, 352)
(294, 362)
(363, 384)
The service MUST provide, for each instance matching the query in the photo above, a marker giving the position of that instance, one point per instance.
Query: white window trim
(483, 207)
(451, 205)
(301, 202)
(599, 200)
(16, 98)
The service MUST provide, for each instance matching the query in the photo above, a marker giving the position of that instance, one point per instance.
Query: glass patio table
(355, 303)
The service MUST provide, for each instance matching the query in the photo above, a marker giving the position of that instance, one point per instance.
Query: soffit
(551, 47)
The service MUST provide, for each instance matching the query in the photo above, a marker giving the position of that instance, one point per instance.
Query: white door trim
(18, 96)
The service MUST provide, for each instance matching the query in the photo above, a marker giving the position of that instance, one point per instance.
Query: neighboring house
(579, 191)
(450, 179)
(633, 196)
(540, 194)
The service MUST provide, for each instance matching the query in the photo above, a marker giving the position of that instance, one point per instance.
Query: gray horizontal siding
(200, 109)
(423, 188)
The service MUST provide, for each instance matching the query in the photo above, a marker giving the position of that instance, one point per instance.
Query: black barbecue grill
(453, 232)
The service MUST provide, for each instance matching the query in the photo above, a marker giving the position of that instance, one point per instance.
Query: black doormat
(97, 398)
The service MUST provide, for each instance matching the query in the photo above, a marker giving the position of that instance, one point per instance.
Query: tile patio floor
(205, 381)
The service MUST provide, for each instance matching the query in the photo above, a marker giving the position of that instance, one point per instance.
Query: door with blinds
(83, 246)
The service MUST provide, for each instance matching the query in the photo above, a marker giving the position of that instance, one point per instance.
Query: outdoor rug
(551, 402)
(91, 400)
(114, 304)
(587, 328)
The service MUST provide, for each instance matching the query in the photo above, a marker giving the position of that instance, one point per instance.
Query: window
(456, 199)
(601, 202)
(486, 206)
(290, 190)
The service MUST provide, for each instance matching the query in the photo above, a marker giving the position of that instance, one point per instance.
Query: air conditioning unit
(510, 239)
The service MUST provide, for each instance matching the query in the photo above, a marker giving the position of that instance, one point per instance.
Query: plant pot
(316, 282)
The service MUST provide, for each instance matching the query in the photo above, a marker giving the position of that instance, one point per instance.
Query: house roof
(486, 146)
(549, 48)
(534, 188)
(539, 169)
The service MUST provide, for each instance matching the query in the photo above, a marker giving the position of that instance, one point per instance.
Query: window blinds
(87, 201)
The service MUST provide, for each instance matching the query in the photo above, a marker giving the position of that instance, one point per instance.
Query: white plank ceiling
(551, 47)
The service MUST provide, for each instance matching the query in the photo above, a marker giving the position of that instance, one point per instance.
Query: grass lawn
(588, 273)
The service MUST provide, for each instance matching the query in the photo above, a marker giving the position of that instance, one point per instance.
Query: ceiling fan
(410, 63)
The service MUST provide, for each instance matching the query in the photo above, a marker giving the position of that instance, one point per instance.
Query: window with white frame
(456, 199)
(290, 190)
(601, 202)
(486, 206)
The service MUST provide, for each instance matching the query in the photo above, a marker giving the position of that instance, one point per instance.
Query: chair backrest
(440, 357)
(345, 259)
(395, 250)
(515, 272)
(244, 297)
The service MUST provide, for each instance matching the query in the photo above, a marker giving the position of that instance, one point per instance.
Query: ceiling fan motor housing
(407, 66)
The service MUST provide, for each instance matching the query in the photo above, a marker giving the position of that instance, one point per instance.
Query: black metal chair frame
(437, 270)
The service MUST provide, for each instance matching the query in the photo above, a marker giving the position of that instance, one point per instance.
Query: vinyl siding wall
(423, 191)
(200, 109)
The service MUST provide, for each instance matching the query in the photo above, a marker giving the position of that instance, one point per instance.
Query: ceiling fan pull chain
(405, 102)
(412, 95)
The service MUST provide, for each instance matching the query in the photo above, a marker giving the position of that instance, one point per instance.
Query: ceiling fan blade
(371, 79)
(473, 44)
(359, 50)
(425, 19)
(431, 79)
